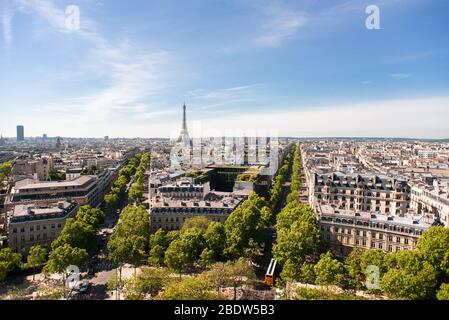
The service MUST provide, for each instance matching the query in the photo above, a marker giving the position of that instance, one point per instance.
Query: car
(91, 271)
(84, 288)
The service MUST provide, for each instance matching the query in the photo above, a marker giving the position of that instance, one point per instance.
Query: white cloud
(131, 72)
(400, 76)
(414, 118)
(426, 118)
(282, 25)
(6, 17)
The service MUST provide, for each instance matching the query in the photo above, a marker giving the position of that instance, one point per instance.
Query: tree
(185, 251)
(409, 276)
(199, 222)
(195, 288)
(374, 257)
(91, 216)
(207, 257)
(8, 262)
(240, 273)
(353, 267)
(62, 257)
(77, 234)
(5, 172)
(111, 200)
(150, 282)
(245, 225)
(290, 271)
(135, 221)
(156, 256)
(175, 257)
(443, 293)
(37, 256)
(433, 245)
(215, 238)
(135, 192)
(53, 175)
(159, 238)
(298, 241)
(218, 275)
(329, 271)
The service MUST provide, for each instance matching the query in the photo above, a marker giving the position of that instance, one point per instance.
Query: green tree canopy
(329, 271)
(409, 276)
(76, 234)
(245, 225)
(63, 256)
(91, 216)
(8, 262)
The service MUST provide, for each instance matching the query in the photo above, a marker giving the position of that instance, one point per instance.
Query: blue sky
(298, 68)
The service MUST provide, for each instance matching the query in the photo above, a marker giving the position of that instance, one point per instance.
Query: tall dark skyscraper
(20, 133)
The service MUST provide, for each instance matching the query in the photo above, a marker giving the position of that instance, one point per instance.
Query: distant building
(39, 168)
(58, 143)
(20, 133)
(31, 224)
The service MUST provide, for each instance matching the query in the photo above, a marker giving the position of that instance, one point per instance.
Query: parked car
(91, 271)
(84, 288)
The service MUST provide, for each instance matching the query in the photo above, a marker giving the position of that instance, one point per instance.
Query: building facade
(361, 192)
(31, 224)
(346, 229)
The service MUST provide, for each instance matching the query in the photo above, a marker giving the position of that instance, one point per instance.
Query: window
(398, 239)
(32, 228)
(38, 227)
(14, 230)
(390, 248)
(406, 241)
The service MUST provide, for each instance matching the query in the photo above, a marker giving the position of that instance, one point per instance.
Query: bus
(269, 276)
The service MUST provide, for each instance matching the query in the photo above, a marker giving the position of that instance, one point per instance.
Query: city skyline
(301, 68)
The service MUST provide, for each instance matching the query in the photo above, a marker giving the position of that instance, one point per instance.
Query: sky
(302, 68)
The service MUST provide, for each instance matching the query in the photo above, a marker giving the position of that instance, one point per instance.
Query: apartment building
(85, 190)
(170, 214)
(31, 224)
(346, 229)
(360, 192)
(432, 199)
(184, 190)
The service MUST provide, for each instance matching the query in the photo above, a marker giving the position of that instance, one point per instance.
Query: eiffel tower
(184, 136)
